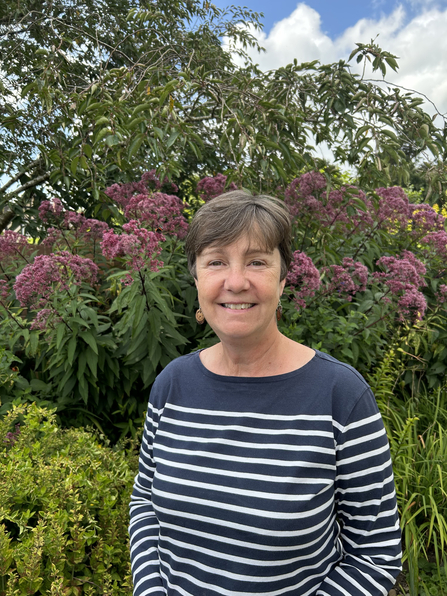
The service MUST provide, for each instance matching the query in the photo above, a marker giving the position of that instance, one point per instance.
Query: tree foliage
(95, 93)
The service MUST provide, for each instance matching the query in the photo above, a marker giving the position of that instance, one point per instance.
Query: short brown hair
(226, 218)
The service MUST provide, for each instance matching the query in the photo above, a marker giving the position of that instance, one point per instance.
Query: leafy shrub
(63, 508)
(417, 431)
(99, 308)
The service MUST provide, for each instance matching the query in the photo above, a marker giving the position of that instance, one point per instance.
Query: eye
(215, 263)
(257, 263)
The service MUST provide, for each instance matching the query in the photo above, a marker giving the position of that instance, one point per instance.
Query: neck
(250, 359)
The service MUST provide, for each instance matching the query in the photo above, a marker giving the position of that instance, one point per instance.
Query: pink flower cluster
(88, 229)
(122, 193)
(210, 187)
(4, 290)
(442, 294)
(303, 277)
(438, 242)
(12, 245)
(43, 318)
(403, 278)
(159, 210)
(301, 194)
(393, 209)
(307, 196)
(51, 211)
(425, 220)
(138, 246)
(349, 278)
(37, 282)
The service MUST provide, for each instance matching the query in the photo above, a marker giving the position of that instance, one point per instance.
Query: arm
(144, 527)
(366, 507)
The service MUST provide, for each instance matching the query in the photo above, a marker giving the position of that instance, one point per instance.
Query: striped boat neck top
(264, 486)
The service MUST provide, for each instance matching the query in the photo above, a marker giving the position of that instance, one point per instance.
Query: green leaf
(90, 340)
(92, 361)
(60, 334)
(101, 134)
(34, 342)
(167, 90)
(82, 362)
(112, 140)
(135, 145)
(87, 150)
(71, 349)
(159, 132)
(173, 137)
(74, 165)
(38, 385)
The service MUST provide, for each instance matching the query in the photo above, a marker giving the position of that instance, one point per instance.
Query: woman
(264, 467)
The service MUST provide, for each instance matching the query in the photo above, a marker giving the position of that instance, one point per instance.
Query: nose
(236, 279)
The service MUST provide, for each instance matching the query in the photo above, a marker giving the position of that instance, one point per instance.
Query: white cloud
(419, 42)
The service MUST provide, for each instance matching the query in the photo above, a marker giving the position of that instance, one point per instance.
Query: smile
(238, 306)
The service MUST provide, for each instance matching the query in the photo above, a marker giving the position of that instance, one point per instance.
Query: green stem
(11, 315)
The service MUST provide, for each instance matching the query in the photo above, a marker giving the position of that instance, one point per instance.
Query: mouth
(241, 306)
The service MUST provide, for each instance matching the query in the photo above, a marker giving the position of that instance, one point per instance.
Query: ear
(282, 285)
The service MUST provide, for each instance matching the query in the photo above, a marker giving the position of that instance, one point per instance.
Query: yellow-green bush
(63, 508)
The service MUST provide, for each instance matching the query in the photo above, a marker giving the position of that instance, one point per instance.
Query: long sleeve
(144, 527)
(366, 507)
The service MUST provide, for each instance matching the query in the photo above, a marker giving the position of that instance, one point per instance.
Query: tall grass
(417, 431)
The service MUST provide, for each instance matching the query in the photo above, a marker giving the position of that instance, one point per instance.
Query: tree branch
(8, 214)
(29, 167)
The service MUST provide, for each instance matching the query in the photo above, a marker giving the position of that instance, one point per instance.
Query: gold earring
(200, 318)
(279, 311)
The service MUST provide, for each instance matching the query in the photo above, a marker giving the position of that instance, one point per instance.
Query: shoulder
(179, 372)
(350, 393)
(339, 372)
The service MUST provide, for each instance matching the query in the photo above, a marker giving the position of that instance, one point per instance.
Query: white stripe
(365, 455)
(372, 518)
(245, 528)
(243, 510)
(360, 440)
(255, 494)
(246, 444)
(248, 429)
(358, 424)
(247, 460)
(361, 473)
(245, 475)
(375, 485)
(341, 571)
(256, 545)
(256, 415)
(245, 560)
(256, 579)
(361, 504)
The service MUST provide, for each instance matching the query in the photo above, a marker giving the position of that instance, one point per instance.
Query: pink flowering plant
(96, 308)
(368, 270)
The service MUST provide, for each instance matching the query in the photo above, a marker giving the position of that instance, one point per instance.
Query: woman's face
(239, 288)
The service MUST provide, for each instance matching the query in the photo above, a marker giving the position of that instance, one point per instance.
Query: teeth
(238, 306)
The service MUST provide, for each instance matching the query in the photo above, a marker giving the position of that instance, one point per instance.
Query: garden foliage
(93, 311)
(63, 509)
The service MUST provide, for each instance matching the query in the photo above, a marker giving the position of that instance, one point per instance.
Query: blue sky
(327, 30)
(336, 15)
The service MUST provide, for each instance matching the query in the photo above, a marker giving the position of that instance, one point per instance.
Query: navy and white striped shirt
(271, 486)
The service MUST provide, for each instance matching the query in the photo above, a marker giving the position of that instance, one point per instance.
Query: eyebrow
(251, 251)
